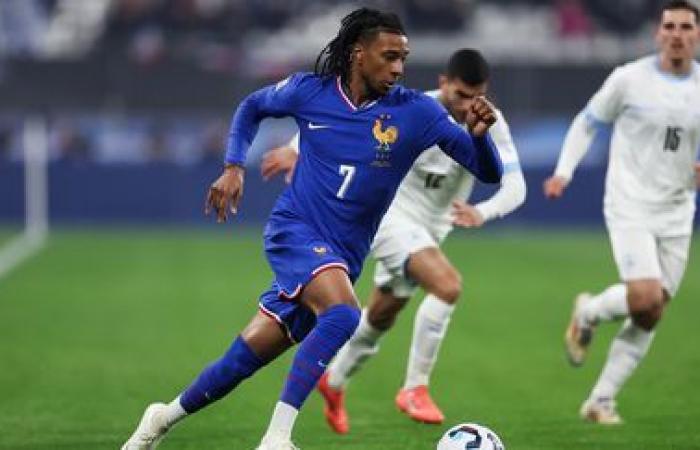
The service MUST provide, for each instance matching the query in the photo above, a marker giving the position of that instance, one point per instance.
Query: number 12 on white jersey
(347, 172)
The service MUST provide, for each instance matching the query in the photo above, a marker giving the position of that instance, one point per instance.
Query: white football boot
(578, 335)
(600, 410)
(150, 430)
(276, 443)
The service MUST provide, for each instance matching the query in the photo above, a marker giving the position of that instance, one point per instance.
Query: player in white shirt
(429, 202)
(654, 105)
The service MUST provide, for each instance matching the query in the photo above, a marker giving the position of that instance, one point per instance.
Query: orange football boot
(334, 408)
(416, 402)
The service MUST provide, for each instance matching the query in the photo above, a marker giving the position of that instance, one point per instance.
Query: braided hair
(363, 23)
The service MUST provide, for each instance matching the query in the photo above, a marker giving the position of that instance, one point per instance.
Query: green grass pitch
(97, 325)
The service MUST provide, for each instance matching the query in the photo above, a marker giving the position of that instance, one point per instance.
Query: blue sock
(333, 328)
(221, 376)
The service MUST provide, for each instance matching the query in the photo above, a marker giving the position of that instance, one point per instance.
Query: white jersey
(435, 180)
(655, 140)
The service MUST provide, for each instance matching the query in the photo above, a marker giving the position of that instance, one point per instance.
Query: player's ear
(357, 54)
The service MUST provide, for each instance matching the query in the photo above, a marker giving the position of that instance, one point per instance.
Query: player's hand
(465, 215)
(480, 116)
(279, 160)
(554, 186)
(225, 193)
(697, 174)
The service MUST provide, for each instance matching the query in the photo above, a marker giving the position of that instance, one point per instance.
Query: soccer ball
(467, 436)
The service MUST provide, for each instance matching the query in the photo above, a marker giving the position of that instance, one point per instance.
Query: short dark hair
(469, 66)
(680, 4)
(363, 23)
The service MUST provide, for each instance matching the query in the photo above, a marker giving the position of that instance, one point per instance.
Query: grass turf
(99, 324)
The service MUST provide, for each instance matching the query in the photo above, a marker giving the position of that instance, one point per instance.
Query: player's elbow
(493, 174)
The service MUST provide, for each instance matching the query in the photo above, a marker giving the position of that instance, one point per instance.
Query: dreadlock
(360, 24)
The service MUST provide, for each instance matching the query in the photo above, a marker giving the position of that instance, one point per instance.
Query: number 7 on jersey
(347, 172)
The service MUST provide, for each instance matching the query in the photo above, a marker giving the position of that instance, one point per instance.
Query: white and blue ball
(470, 436)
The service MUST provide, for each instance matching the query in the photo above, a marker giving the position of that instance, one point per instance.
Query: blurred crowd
(148, 31)
(267, 38)
(121, 140)
(184, 140)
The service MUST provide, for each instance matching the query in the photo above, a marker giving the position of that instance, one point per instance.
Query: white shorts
(639, 254)
(396, 240)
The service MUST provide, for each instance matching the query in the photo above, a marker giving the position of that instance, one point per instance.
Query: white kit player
(428, 203)
(654, 106)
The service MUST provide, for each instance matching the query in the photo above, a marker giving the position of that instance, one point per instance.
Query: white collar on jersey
(352, 106)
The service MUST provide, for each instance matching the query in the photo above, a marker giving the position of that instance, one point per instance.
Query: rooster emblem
(386, 136)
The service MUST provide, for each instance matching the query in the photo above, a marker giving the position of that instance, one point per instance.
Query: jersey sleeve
(513, 189)
(476, 154)
(606, 104)
(500, 133)
(279, 100)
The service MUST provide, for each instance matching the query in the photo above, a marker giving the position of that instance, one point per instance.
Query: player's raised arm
(602, 109)
(509, 196)
(273, 101)
(475, 151)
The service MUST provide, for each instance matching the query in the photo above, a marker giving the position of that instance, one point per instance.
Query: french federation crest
(385, 137)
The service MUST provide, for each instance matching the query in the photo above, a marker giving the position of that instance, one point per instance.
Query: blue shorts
(296, 319)
(296, 255)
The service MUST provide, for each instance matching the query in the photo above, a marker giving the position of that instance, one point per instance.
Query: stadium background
(135, 290)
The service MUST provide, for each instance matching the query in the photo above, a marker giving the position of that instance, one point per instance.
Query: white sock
(611, 304)
(282, 422)
(174, 412)
(429, 329)
(356, 351)
(626, 351)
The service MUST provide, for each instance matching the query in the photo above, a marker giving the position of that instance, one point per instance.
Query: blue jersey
(352, 159)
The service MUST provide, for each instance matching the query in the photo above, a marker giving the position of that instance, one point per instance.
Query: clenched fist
(480, 116)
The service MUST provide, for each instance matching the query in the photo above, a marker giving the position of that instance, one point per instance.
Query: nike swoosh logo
(313, 126)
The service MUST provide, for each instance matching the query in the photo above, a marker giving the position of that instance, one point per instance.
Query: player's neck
(357, 92)
(679, 67)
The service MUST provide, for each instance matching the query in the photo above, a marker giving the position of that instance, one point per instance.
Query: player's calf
(384, 308)
(222, 376)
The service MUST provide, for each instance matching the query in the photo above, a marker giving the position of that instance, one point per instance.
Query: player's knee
(646, 305)
(345, 318)
(450, 288)
(647, 320)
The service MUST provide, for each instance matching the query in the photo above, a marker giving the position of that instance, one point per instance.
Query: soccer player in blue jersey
(360, 134)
